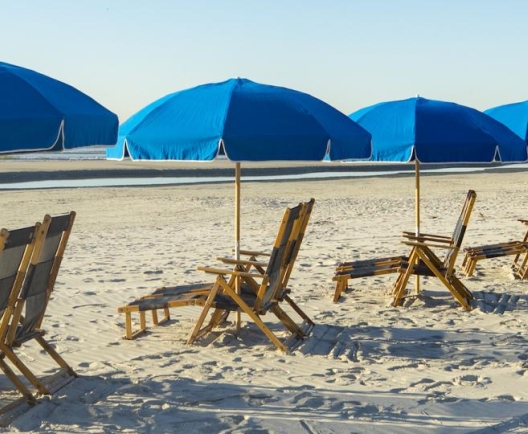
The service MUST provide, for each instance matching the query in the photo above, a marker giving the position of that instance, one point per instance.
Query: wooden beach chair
(33, 298)
(262, 286)
(395, 264)
(423, 261)
(16, 248)
(284, 293)
(517, 249)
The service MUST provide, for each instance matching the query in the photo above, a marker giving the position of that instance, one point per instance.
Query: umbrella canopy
(514, 116)
(431, 131)
(39, 113)
(244, 120)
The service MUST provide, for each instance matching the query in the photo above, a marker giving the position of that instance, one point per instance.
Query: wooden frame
(263, 285)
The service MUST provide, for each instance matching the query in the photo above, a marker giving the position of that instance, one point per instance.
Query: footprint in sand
(471, 380)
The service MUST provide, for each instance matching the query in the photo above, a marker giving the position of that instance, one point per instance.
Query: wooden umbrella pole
(417, 216)
(237, 237)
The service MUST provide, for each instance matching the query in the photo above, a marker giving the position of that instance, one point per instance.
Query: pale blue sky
(127, 53)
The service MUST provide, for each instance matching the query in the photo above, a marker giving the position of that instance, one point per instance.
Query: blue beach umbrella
(39, 113)
(514, 116)
(244, 121)
(431, 131)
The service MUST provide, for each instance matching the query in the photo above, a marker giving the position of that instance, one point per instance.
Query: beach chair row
(30, 259)
(258, 284)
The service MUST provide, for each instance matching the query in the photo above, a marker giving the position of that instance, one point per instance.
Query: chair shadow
(174, 404)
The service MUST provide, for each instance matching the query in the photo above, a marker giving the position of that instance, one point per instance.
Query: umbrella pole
(417, 216)
(237, 237)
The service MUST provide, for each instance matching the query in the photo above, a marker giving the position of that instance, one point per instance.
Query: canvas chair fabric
(16, 248)
(263, 285)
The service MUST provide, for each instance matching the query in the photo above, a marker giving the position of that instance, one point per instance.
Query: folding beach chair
(32, 301)
(16, 248)
(423, 261)
(397, 264)
(262, 287)
(517, 249)
(284, 293)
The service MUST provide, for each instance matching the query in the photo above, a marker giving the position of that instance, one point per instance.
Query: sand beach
(368, 367)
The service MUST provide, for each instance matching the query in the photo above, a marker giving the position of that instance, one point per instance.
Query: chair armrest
(222, 271)
(241, 262)
(253, 253)
(427, 237)
(429, 245)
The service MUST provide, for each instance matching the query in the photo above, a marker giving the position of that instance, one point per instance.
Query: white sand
(430, 367)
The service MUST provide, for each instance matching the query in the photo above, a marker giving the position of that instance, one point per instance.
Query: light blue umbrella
(39, 113)
(245, 121)
(514, 116)
(432, 131)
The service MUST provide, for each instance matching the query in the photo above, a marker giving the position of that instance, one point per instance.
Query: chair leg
(299, 311)
(28, 396)
(398, 290)
(218, 317)
(13, 358)
(197, 330)
(66, 373)
(55, 356)
(287, 321)
(129, 332)
(470, 267)
(522, 268)
(459, 296)
(341, 285)
(465, 295)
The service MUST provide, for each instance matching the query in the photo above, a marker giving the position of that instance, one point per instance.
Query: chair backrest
(460, 230)
(40, 278)
(16, 248)
(296, 244)
(283, 255)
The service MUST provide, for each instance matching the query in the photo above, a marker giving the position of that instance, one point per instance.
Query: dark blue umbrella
(39, 113)
(514, 116)
(245, 121)
(431, 131)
